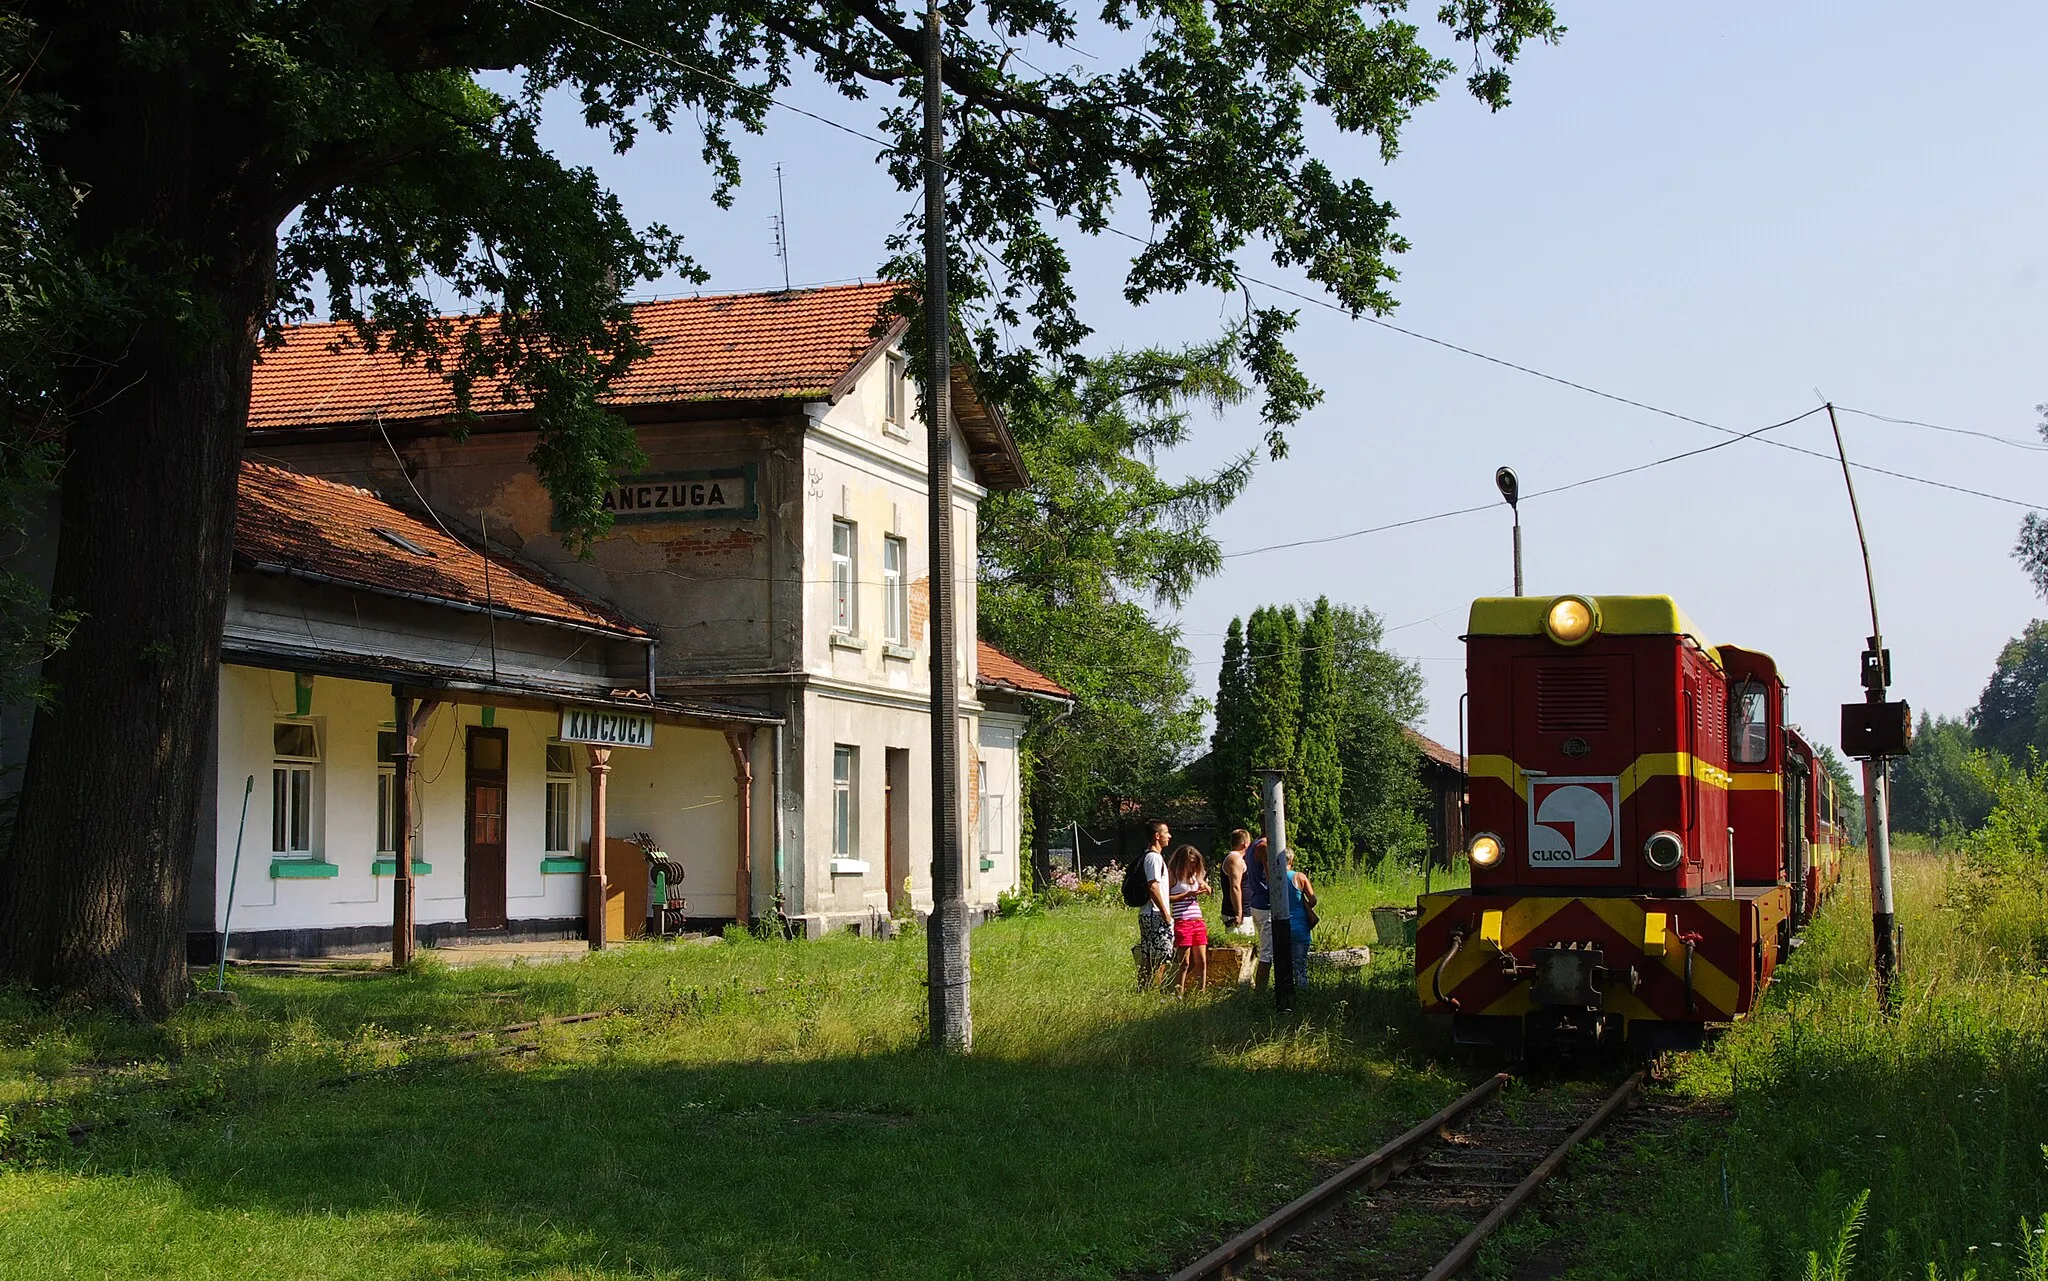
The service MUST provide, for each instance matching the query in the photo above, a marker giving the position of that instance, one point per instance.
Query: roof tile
(999, 671)
(290, 522)
(772, 346)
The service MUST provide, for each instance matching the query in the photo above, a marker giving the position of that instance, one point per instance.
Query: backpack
(1137, 890)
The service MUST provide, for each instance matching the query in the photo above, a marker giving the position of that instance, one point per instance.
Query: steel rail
(1259, 1241)
(1463, 1252)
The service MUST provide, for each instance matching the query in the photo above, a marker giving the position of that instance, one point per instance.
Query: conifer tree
(1273, 651)
(1315, 799)
(1232, 796)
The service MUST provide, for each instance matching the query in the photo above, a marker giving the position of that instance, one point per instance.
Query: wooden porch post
(408, 719)
(742, 744)
(594, 881)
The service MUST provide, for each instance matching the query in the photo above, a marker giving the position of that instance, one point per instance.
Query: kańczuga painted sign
(607, 728)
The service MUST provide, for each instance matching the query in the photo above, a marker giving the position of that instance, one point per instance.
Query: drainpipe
(651, 647)
(780, 884)
(743, 782)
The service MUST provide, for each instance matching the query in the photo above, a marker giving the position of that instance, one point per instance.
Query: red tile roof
(773, 346)
(1436, 751)
(999, 671)
(290, 523)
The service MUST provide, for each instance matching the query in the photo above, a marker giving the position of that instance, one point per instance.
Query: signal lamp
(1571, 620)
(1485, 850)
(1663, 850)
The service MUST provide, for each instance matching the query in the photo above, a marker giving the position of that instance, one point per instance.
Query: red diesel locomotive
(1647, 831)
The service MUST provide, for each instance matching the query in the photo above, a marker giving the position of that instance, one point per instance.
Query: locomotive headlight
(1485, 850)
(1571, 620)
(1663, 850)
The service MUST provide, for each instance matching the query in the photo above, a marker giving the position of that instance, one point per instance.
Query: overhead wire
(1380, 322)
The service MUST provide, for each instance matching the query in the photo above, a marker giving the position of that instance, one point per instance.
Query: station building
(734, 679)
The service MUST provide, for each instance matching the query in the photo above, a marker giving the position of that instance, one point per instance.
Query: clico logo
(1573, 822)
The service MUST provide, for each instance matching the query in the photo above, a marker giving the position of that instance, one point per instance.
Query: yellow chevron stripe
(1708, 980)
(1714, 986)
(1502, 768)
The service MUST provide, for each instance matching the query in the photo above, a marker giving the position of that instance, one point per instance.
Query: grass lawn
(1941, 1113)
(755, 1109)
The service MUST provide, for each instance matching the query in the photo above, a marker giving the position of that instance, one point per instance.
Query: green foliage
(1071, 567)
(1934, 790)
(2013, 842)
(2008, 717)
(45, 301)
(1366, 698)
(1232, 798)
(1935, 1109)
(1316, 801)
(699, 1116)
(1849, 815)
(1836, 1266)
(1273, 659)
(1378, 695)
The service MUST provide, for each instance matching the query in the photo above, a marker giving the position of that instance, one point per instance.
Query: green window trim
(562, 865)
(389, 867)
(301, 869)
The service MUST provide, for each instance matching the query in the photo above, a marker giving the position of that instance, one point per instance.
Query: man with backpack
(1145, 889)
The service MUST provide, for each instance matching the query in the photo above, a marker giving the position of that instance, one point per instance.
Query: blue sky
(1714, 209)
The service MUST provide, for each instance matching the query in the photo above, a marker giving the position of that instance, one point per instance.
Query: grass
(1941, 1113)
(756, 1109)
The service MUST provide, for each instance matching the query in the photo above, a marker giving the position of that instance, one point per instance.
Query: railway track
(1478, 1161)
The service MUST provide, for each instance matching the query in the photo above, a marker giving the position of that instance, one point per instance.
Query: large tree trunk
(92, 898)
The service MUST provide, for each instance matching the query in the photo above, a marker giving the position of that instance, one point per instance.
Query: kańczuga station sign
(607, 728)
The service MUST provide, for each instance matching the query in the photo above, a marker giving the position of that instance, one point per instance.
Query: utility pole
(1511, 489)
(1278, 890)
(1875, 729)
(950, 1015)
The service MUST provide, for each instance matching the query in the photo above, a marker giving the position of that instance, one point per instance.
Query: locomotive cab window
(1749, 725)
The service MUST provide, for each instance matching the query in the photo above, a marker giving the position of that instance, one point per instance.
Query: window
(1749, 726)
(992, 807)
(843, 546)
(895, 600)
(296, 752)
(893, 397)
(845, 802)
(561, 804)
(387, 792)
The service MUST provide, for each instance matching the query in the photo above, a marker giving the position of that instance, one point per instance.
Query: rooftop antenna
(781, 223)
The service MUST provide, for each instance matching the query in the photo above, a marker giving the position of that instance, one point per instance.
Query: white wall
(1000, 735)
(681, 790)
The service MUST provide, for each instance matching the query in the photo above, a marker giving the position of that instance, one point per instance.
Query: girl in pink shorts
(1186, 883)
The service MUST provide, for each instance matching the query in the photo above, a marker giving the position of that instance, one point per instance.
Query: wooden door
(896, 835)
(483, 877)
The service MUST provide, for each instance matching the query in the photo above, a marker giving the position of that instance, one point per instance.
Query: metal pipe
(781, 812)
(227, 919)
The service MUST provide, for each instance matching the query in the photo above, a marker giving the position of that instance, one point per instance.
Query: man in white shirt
(1155, 917)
